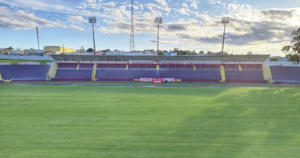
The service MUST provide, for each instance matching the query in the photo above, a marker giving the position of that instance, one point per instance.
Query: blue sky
(260, 26)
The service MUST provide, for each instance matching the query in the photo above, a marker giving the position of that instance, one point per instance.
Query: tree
(293, 57)
(273, 59)
(294, 48)
(106, 50)
(193, 53)
(10, 48)
(201, 52)
(90, 50)
(1, 51)
(210, 52)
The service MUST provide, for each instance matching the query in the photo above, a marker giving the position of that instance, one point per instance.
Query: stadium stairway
(49, 74)
(222, 73)
(94, 72)
(55, 70)
(264, 72)
(268, 73)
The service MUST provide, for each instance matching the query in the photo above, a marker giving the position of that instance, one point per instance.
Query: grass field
(90, 121)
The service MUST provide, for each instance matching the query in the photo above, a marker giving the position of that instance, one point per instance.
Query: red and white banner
(157, 79)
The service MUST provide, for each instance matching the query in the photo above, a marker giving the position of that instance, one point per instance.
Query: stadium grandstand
(206, 68)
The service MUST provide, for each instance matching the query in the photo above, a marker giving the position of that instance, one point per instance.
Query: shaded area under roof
(156, 58)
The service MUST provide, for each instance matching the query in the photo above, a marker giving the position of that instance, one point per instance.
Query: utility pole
(93, 20)
(38, 40)
(225, 20)
(158, 20)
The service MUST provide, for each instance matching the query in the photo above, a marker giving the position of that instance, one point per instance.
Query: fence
(287, 81)
(28, 78)
(5, 63)
(20, 57)
(29, 63)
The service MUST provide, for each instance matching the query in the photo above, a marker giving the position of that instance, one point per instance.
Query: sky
(259, 26)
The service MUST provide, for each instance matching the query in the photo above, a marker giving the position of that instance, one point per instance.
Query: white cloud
(77, 28)
(38, 5)
(162, 2)
(110, 4)
(194, 5)
(22, 20)
(184, 5)
(76, 19)
(213, 2)
(182, 11)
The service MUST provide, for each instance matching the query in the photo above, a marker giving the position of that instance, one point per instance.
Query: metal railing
(29, 63)
(5, 63)
(288, 80)
(28, 78)
(74, 68)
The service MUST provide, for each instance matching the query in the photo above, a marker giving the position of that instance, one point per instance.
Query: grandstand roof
(110, 58)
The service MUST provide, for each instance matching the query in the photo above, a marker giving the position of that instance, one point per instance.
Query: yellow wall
(58, 49)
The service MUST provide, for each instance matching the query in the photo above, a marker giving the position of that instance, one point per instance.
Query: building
(171, 54)
(147, 52)
(58, 50)
(34, 52)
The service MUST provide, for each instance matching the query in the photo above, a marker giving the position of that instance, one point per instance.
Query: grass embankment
(15, 62)
(74, 121)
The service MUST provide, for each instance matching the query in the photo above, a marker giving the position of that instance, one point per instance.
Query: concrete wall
(25, 57)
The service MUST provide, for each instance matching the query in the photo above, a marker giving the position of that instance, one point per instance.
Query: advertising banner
(157, 79)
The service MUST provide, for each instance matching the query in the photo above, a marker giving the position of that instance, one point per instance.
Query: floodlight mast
(225, 20)
(158, 20)
(93, 20)
(132, 29)
(37, 34)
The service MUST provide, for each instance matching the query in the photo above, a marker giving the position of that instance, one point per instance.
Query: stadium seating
(73, 75)
(245, 76)
(86, 66)
(191, 74)
(244, 67)
(112, 66)
(24, 72)
(124, 75)
(285, 74)
(249, 73)
(67, 65)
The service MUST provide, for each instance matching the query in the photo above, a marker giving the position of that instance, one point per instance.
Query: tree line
(293, 50)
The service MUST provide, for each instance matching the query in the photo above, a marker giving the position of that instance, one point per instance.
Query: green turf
(15, 62)
(87, 121)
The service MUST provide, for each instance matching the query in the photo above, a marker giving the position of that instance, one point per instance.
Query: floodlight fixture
(158, 20)
(93, 20)
(225, 20)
